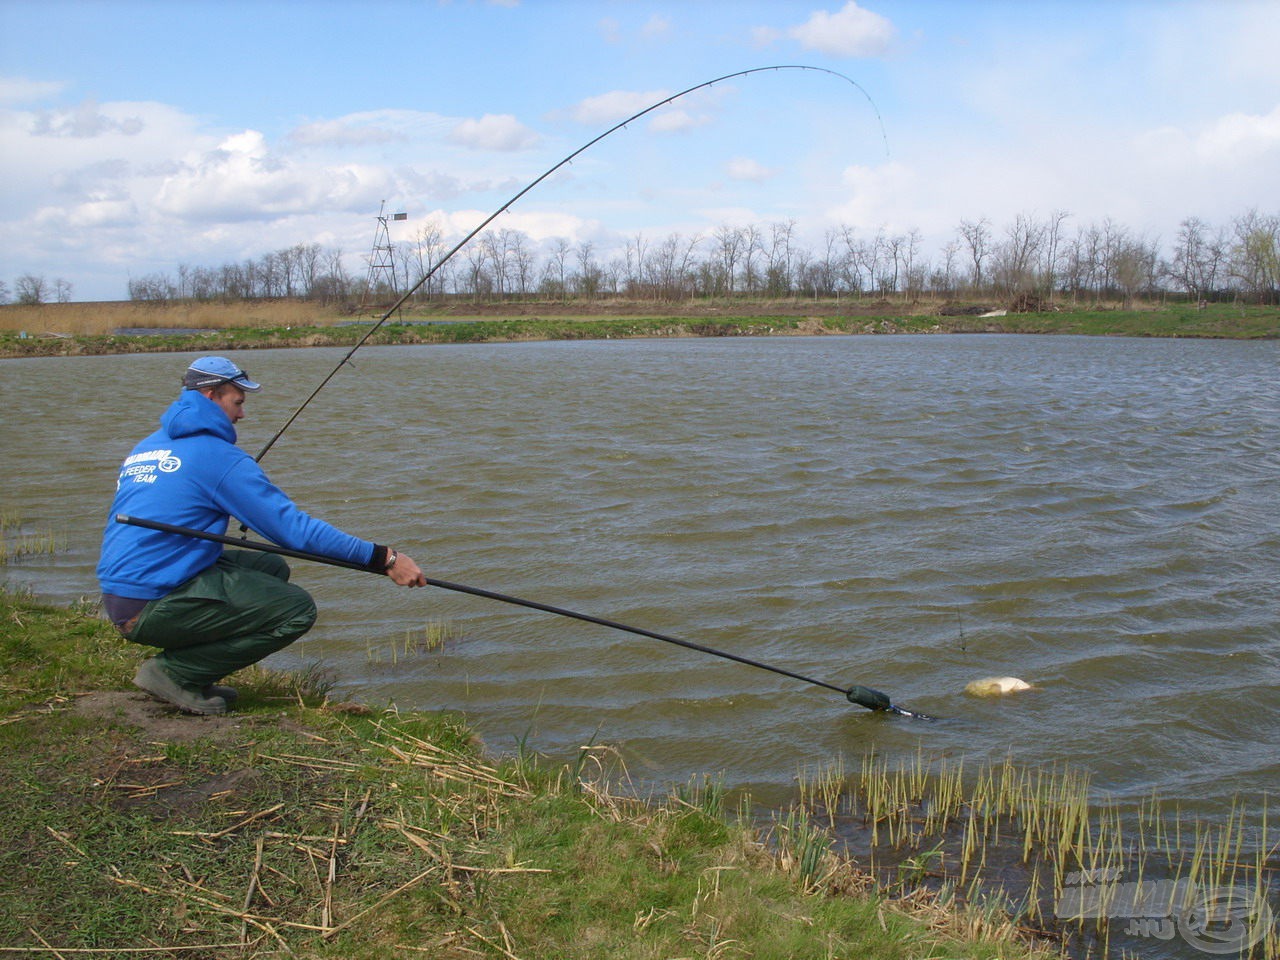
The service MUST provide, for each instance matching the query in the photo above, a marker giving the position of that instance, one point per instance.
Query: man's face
(230, 398)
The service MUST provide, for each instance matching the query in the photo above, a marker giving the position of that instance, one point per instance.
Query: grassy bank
(300, 827)
(90, 329)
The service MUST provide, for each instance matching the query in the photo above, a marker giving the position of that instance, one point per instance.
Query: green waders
(233, 614)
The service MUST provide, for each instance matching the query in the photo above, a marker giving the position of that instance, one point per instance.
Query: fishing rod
(862, 696)
(548, 172)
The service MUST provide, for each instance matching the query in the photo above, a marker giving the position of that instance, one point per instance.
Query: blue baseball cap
(211, 371)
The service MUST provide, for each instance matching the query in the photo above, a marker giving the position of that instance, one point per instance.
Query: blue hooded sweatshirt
(191, 473)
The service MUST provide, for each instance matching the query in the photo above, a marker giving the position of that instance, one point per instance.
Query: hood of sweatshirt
(193, 413)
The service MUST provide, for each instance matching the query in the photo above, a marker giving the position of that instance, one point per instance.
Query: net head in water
(996, 686)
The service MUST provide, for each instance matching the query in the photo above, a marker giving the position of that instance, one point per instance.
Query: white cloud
(696, 109)
(98, 213)
(1246, 34)
(1236, 139)
(747, 168)
(1147, 181)
(243, 180)
(538, 225)
(657, 26)
(875, 197)
(339, 133)
(675, 120)
(501, 132)
(1242, 136)
(85, 120)
(371, 127)
(44, 162)
(762, 37)
(15, 90)
(614, 106)
(852, 31)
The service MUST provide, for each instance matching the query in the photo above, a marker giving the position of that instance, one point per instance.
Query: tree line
(32, 288)
(1029, 261)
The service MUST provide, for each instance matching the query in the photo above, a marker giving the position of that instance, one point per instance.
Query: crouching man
(212, 611)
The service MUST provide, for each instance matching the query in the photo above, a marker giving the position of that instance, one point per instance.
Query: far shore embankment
(88, 329)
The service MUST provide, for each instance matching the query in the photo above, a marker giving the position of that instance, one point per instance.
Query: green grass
(298, 827)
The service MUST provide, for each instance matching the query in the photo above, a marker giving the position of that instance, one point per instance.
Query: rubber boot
(152, 678)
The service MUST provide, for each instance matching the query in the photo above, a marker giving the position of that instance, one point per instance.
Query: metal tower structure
(381, 258)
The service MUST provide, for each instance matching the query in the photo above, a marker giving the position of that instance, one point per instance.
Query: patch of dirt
(812, 326)
(135, 770)
(156, 721)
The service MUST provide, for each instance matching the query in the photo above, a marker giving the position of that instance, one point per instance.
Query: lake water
(1096, 516)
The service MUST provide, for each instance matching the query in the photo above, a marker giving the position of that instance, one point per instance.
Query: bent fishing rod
(862, 696)
(543, 176)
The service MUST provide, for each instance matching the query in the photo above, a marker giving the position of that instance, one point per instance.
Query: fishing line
(550, 170)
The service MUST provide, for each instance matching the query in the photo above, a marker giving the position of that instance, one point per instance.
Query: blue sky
(137, 136)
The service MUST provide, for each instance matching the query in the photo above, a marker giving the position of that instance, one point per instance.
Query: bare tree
(778, 269)
(893, 245)
(635, 255)
(498, 250)
(556, 273)
(1081, 263)
(914, 270)
(865, 256)
(752, 247)
(479, 281)
(976, 236)
(151, 288)
(589, 274)
(31, 289)
(423, 252)
(729, 242)
(333, 283)
(615, 275)
(1052, 252)
(850, 261)
(203, 283)
(664, 273)
(945, 281)
(1113, 244)
(1017, 256)
(522, 262)
(829, 270)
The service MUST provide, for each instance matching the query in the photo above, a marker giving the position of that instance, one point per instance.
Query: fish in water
(996, 686)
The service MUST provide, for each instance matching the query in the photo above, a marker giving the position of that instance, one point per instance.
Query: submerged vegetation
(18, 539)
(432, 637)
(1036, 844)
